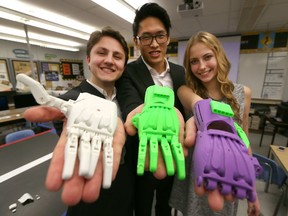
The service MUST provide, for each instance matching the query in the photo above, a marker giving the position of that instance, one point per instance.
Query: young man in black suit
(151, 31)
(107, 55)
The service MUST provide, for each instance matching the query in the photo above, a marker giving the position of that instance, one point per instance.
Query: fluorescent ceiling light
(43, 25)
(136, 3)
(18, 35)
(18, 11)
(37, 43)
(122, 8)
(32, 35)
(119, 8)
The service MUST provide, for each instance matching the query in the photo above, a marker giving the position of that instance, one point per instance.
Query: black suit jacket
(83, 87)
(131, 87)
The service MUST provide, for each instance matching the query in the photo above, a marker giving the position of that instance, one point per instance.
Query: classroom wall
(248, 69)
(19, 51)
(265, 73)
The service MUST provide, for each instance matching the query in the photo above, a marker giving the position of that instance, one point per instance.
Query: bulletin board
(20, 66)
(51, 71)
(4, 76)
(72, 69)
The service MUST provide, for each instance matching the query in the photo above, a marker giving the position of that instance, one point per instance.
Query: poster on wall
(271, 41)
(20, 66)
(5, 84)
(72, 69)
(172, 48)
(50, 73)
(51, 70)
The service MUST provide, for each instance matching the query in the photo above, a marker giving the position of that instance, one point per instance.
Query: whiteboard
(252, 69)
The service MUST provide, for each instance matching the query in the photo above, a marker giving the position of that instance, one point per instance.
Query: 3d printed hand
(158, 124)
(91, 123)
(221, 158)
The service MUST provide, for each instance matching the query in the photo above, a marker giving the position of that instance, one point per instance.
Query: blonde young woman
(207, 69)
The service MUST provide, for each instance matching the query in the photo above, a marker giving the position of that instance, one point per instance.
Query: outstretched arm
(90, 126)
(77, 187)
(43, 114)
(215, 198)
(187, 97)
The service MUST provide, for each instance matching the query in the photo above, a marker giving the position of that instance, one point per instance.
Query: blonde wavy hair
(223, 68)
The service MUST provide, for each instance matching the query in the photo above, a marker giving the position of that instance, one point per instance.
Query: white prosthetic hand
(91, 123)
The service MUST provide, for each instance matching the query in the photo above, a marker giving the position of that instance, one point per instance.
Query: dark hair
(96, 36)
(151, 10)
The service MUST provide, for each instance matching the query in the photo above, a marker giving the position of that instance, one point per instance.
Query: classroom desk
(12, 116)
(276, 124)
(281, 157)
(32, 181)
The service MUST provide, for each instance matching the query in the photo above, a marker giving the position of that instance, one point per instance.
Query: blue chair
(272, 174)
(18, 135)
(47, 126)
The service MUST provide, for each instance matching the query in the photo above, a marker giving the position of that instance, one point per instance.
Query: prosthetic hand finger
(96, 144)
(178, 154)
(84, 154)
(142, 155)
(70, 153)
(166, 151)
(40, 94)
(108, 163)
(153, 148)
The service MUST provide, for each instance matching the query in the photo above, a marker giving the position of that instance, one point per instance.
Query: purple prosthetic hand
(221, 159)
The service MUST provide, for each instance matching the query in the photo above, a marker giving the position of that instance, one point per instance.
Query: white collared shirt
(162, 79)
(113, 98)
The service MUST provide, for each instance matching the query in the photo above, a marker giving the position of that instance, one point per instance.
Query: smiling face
(154, 53)
(203, 63)
(106, 62)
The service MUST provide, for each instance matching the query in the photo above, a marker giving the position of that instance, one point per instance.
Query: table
(32, 181)
(280, 156)
(276, 124)
(12, 116)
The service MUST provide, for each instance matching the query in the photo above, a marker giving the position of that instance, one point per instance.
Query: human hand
(254, 208)
(158, 124)
(78, 187)
(91, 123)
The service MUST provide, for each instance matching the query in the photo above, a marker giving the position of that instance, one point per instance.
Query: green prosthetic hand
(158, 123)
